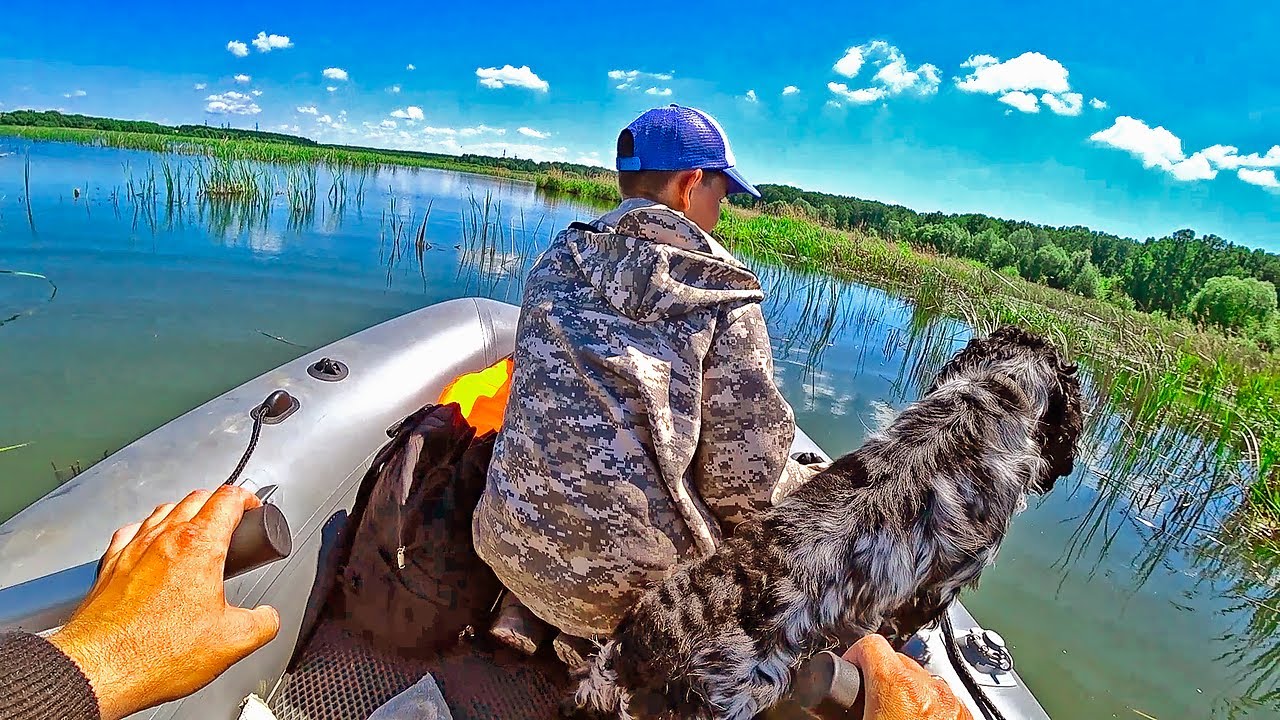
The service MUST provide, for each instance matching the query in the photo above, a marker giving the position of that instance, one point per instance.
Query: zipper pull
(400, 557)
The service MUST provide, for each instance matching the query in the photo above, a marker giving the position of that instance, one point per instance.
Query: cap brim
(739, 184)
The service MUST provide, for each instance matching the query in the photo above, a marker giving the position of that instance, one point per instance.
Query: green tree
(1087, 281)
(1233, 302)
(1050, 264)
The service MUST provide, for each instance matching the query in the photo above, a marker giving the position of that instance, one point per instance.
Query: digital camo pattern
(644, 422)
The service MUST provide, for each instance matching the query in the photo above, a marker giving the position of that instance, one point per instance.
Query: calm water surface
(1125, 593)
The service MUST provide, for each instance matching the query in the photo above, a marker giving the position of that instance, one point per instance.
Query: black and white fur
(882, 541)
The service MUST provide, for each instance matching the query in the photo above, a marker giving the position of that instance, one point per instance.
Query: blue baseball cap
(682, 138)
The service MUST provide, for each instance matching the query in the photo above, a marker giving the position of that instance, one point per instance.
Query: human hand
(156, 625)
(897, 688)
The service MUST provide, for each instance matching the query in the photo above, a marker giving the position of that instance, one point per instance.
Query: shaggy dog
(882, 541)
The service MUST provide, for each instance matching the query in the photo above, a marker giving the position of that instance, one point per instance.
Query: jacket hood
(654, 263)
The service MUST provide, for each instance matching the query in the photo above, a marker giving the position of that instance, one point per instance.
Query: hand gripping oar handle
(261, 538)
(829, 687)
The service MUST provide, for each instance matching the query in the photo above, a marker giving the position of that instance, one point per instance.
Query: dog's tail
(599, 690)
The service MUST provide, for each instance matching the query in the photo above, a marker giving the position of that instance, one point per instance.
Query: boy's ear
(685, 182)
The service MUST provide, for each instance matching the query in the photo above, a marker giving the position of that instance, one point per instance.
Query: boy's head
(680, 157)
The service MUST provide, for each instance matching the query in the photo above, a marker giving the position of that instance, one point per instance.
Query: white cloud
(75, 94)
(851, 64)
(893, 75)
(1262, 178)
(530, 132)
(636, 79)
(389, 124)
(232, 103)
(509, 76)
(410, 67)
(1064, 104)
(256, 93)
(237, 48)
(307, 109)
(412, 112)
(481, 129)
(332, 88)
(861, 96)
(790, 90)
(1018, 80)
(751, 96)
(1026, 102)
(324, 119)
(394, 89)
(1155, 147)
(1097, 104)
(335, 73)
(1196, 167)
(242, 78)
(286, 127)
(200, 86)
(267, 43)
(660, 92)
(439, 131)
(1028, 71)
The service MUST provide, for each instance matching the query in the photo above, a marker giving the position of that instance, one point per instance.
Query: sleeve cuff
(38, 681)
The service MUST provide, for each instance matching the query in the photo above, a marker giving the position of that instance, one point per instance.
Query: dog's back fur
(882, 541)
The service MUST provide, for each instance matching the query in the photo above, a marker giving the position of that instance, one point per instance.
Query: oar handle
(829, 687)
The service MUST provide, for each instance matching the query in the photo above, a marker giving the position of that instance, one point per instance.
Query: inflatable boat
(315, 442)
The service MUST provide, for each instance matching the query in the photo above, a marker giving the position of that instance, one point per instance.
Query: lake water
(1124, 593)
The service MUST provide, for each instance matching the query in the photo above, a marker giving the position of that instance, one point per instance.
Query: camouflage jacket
(643, 424)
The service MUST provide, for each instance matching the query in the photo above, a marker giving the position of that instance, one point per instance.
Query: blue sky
(1131, 117)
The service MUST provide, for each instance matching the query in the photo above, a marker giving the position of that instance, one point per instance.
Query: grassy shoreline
(1213, 385)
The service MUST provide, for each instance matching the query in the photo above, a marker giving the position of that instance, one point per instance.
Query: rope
(257, 414)
(988, 708)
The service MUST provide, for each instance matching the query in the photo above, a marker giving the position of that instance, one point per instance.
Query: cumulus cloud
(1026, 102)
(307, 109)
(1097, 104)
(861, 96)
(256, 93)
(790, 90)
(389, 124)
(267, 43)
(751, 96)
(242, 78)
(332, 88)
(1262, 178)
(509, 76)
(1158, 148)
(1028, 71)
(199, 86)
(325, 119)
(412, 112)
(75, 94)
(1025, 82)
(438, 131)
(336, 73)
(530, 132)
(637, 79)
(893, 75)
(1065, 104)
(237, 48)
(850, 64)
(394, 89)
(410, 67)
(231, 103)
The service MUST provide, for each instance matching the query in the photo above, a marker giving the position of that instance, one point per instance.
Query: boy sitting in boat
(644, 423)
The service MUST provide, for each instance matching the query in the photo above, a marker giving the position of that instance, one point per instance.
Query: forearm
(38, 681)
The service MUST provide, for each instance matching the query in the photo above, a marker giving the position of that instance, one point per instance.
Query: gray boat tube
(310, 464)
(315, 459)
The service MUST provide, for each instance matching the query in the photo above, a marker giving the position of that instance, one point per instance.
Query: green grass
(1223, 390)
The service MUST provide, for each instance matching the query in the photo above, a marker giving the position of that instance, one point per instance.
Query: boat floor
(340, 676)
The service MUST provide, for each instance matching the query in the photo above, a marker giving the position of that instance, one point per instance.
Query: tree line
(1200, 277)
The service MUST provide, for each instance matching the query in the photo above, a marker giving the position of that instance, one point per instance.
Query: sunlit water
(1123, 592)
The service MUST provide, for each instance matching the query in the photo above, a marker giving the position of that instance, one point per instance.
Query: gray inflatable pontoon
(309, 465)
